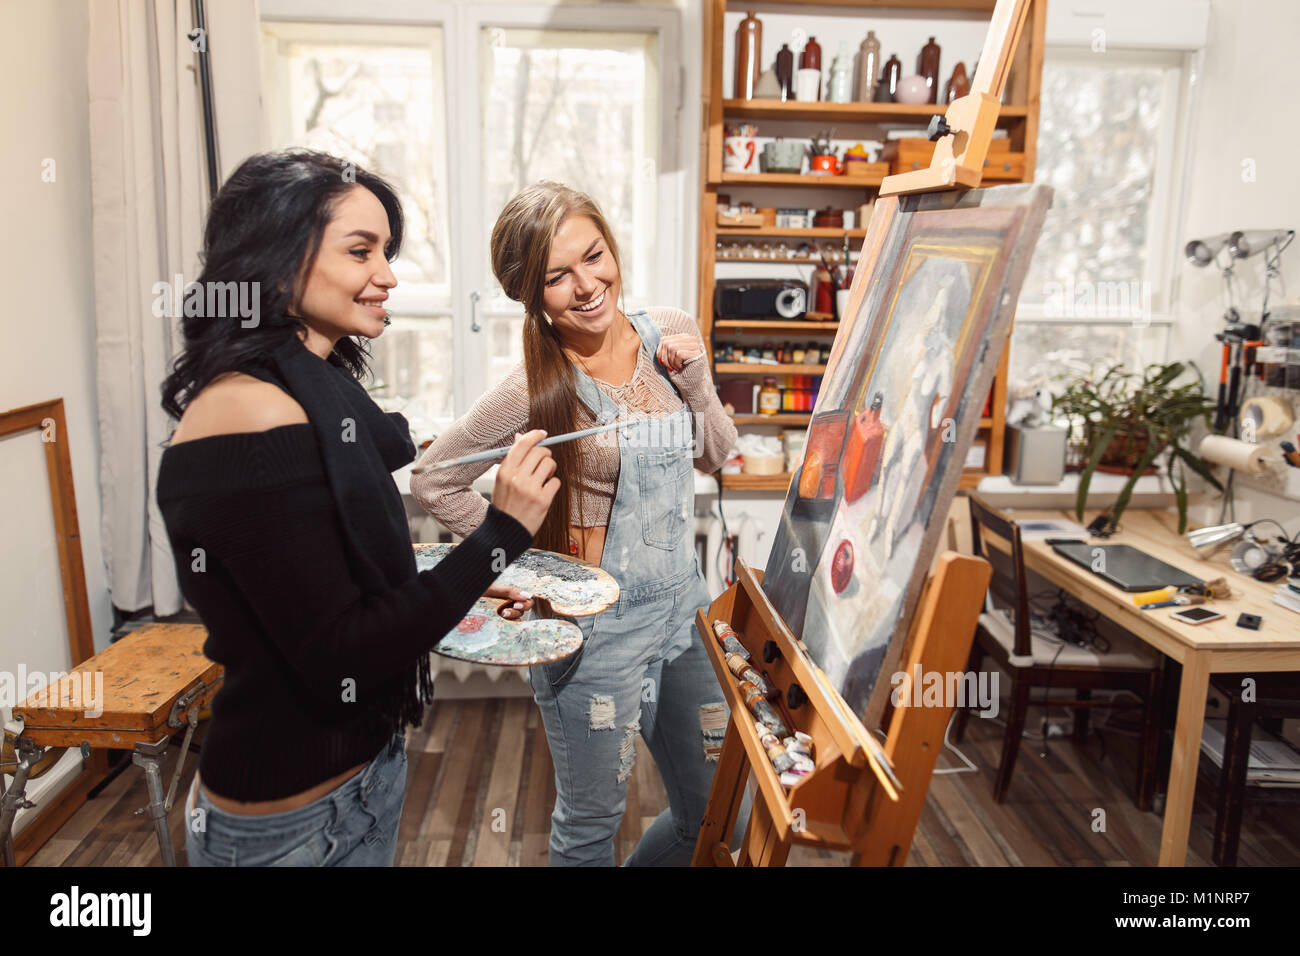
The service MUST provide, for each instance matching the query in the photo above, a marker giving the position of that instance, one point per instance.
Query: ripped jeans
(643, 668)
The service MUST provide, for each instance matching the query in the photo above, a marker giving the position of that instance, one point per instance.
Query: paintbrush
(501, 452)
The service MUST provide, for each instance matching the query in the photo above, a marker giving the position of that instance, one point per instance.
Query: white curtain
(149, 195)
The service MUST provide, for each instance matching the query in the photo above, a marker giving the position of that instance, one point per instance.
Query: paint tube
(800, 743)
(766, 737)
(737, 665)
(803, 764)
(768, 716)
(781, 761)
(790, 778)
(744, 672)
(729, 639)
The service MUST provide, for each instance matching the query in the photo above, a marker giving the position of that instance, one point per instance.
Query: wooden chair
(1276, 696)
(1033, 661)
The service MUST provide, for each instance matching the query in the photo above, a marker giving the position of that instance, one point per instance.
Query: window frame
(461, 22)
(1171, 166)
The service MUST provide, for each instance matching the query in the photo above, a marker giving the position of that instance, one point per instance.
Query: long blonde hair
(521, 247)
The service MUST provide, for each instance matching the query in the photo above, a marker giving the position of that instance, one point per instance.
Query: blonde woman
(626, 504)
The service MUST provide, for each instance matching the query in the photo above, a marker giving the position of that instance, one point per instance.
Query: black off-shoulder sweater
(261, 556)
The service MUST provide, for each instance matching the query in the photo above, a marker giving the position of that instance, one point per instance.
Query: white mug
(740, 154)
(808, 85)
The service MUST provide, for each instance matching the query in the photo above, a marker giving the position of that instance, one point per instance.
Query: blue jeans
(642, 667)
(355, 824)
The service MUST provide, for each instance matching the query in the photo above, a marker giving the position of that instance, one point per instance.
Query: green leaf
(1085, 477)
(1127, 491)
(1180, 492)
(1198, 466)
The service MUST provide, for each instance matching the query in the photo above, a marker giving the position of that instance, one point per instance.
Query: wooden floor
(480, 791)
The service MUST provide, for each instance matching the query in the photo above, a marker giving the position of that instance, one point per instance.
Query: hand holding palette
(573, 588)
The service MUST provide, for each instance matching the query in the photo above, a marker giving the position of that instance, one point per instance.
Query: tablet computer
(1125, 566)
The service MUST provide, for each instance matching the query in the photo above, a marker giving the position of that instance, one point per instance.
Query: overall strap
(650, 335)
(601, 406)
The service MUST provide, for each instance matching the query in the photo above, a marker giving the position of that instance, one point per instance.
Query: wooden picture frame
(47, 419)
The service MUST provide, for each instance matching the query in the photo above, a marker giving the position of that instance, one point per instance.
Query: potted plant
(1128, 419)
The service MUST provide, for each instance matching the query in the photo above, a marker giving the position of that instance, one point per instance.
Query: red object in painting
(842, 567)
(823, 447)
(862, 455)
(471, 623)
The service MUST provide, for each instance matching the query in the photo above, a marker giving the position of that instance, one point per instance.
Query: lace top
(496, 417)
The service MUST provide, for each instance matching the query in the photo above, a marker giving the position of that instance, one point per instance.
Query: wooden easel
(964, 133)
(861, 797)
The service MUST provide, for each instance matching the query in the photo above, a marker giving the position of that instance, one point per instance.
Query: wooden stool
(133, 695)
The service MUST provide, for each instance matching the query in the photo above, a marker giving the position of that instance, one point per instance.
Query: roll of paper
(1241, 455)
(1266, 417)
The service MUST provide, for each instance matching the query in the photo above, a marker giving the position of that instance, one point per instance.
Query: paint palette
(574, 588)
(484, 637)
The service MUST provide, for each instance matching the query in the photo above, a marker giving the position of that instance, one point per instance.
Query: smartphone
(1196, 615)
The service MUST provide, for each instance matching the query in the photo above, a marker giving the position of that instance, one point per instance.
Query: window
(1098, 287)
(581, 109)
(557, 99)
(370, 94)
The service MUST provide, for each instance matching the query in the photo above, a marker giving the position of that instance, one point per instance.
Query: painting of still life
(899, 407)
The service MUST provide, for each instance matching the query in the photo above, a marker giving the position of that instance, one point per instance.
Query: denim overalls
(642, 666)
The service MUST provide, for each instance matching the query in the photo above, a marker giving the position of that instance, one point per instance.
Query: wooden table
(1217, 647)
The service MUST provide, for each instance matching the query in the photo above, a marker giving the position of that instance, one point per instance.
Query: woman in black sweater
(289, 533)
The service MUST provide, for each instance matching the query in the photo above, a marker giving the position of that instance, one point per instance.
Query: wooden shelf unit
(757, 368)
(763, 326)
(780, 418)
(801, 179)
(875, 113)
(1018, 116)
(756, 482)
(772, 232)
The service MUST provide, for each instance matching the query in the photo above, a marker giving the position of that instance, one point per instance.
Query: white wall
(46, 262)
(45, 266)
(1244, 114)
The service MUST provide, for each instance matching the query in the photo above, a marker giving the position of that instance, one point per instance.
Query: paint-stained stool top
(140, 675)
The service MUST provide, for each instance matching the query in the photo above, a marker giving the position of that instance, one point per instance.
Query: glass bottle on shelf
(785, 71)
(769, 397)
(958, 83)
(811, 57)
(841, 85)
(927, 65)
(749, 46)
(888, 88)
(868, 67)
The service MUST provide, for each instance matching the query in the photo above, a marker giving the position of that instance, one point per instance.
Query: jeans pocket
(547, 679)
(312, 850)
(264, 843)
(662, 479)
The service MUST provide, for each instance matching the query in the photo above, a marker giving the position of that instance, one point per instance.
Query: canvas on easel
(898, 409)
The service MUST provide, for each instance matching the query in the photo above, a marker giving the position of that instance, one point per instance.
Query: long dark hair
(521, 243)
(265, 226)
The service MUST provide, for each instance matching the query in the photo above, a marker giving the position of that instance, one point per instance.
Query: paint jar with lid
(769, 397)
